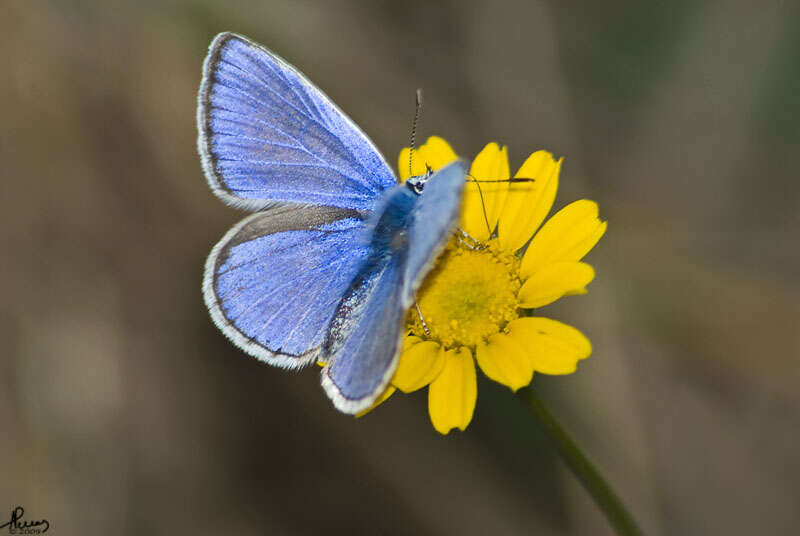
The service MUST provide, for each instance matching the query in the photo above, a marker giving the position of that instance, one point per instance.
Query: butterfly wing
(363, 344)
(267, 135)
(434, 218)
(364, 337)
(275, 279)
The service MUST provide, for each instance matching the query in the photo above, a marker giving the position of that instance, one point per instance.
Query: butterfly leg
(421, 319)
(468, 241)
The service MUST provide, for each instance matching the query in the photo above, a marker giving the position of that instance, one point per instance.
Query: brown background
(124, 411)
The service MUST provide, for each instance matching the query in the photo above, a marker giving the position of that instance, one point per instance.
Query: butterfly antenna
(480, 192)
(511, 180)
(417, 109)
(483, 203)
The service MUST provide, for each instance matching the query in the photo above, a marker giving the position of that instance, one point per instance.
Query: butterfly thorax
(390, 230)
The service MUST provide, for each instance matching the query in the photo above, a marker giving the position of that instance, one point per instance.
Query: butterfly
(326, 267)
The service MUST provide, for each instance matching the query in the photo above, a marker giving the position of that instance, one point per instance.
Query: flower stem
(591, 479)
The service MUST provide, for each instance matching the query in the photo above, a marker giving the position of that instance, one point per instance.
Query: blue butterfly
(327, 266)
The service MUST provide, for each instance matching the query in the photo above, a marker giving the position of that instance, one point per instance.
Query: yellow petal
(380, 400)
(483, 200)
(419, 365)
(438, 153)
(528, 203)
(434, 153)
(410, 340)
(452, 395)
(505, 361)
(554, 347)
(554, 281)
(567, 236)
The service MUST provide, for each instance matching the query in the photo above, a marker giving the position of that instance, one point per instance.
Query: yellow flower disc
(470, 295)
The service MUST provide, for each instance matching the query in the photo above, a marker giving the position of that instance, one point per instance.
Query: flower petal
(380, 400)
(505, 361)
(435, 152)
(483, 200)
(438, 153)
(554, 281)
(554, 347)
(419, 365)
(567, 236)
(452, 395)
(528, 203)
(410, 340)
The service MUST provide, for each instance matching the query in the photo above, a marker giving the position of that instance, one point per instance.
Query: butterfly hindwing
(435, 216)
(274, 281)
(267, 135)
(364, 338)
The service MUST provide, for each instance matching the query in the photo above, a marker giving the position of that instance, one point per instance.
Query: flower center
(468, 296)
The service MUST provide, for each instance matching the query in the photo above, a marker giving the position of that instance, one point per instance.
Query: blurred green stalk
(591, 479)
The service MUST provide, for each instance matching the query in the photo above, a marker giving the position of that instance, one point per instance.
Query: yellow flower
(471, 307)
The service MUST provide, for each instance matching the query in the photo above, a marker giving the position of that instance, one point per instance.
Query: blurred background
(124, 410)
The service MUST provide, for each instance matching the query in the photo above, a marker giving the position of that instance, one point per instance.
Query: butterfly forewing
(267, 135)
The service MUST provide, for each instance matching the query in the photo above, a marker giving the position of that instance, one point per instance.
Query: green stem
(591, 479)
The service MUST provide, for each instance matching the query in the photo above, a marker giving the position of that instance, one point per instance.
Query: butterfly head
(417, 183)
